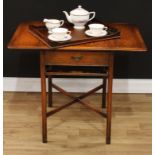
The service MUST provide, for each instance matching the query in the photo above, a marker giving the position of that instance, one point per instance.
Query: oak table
(100, 53)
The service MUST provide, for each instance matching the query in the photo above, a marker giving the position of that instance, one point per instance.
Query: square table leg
(104, 93)
(50, 93)
(109, 100)
(43, 98)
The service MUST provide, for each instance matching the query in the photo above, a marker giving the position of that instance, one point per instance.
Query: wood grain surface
(131, 40)
(77, 130)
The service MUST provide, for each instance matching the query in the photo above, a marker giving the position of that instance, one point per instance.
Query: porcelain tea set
(79, 17)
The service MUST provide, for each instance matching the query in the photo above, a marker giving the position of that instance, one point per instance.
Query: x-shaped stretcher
(76, 99)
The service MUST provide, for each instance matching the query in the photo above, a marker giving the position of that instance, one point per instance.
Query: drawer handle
(77, 58)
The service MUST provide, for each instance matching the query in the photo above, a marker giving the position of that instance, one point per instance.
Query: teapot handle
(94, 13)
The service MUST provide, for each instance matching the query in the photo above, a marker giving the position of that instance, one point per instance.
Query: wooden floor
(77, 130)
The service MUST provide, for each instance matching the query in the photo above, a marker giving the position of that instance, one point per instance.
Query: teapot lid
(79, 11)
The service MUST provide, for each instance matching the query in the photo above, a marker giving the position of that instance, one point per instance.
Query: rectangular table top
(130, 40)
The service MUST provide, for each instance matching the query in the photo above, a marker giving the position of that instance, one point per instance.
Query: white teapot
(79, 17)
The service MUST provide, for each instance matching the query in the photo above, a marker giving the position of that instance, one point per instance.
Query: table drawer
(75, 58)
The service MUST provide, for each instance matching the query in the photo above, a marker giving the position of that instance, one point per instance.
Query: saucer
(89, 33)
(53, 38)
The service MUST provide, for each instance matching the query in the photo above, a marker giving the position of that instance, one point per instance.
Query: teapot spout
(67, 16)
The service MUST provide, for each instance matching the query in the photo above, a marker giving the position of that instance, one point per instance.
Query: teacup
(97, 28)
(60, 33)
(53, 23)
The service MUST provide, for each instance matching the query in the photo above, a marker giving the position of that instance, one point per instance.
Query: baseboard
(78, 85)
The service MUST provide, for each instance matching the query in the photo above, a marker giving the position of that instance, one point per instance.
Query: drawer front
(75, 58)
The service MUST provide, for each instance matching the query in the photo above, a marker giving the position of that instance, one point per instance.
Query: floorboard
(77, 130)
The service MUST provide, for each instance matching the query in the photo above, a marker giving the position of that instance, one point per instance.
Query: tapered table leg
(43, 98)
(109, 101)
(50, 91)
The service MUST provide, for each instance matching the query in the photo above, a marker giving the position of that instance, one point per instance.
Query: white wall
(78, 85)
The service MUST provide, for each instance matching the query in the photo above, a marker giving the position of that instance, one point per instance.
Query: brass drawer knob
(77, 58)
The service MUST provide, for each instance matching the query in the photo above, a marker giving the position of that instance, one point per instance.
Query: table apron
(76, 58)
